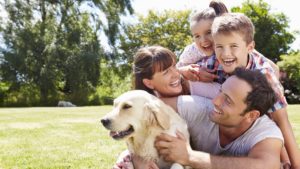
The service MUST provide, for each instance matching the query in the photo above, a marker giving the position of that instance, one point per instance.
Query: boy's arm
(281, 118)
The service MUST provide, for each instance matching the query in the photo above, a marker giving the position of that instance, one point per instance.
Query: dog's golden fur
(148, 116)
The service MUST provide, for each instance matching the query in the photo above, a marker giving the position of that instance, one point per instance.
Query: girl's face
(201, 32)
(166, 83)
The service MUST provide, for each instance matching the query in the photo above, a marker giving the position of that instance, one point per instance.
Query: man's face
(229, 104)
(231, 50)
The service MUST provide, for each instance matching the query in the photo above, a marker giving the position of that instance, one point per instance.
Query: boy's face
(201, 32)
(231, 50)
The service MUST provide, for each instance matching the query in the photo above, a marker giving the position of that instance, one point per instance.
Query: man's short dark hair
(262, 97)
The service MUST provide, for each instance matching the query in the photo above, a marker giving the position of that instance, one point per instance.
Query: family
(228, 93)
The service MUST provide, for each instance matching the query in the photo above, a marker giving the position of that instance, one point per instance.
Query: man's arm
(264, 155)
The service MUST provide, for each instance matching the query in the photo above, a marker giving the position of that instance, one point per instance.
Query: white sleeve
(193, 107)
(191, 54)
(204, 89)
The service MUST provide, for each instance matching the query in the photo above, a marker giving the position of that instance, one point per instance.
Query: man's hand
(173, 149)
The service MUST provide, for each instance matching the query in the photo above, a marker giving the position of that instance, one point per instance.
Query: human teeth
(217, 111)
(228, 61)
(175, 83)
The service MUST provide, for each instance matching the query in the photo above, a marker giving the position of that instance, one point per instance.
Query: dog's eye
(126, 106)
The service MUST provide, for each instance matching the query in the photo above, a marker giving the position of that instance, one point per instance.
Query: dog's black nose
(105, 122)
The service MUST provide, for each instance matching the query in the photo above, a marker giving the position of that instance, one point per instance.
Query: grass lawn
(62, 138)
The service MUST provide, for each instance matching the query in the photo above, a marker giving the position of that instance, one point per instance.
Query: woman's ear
(148, 83)
(251, 46)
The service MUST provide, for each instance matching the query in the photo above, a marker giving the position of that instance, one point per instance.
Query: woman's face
(166, 83)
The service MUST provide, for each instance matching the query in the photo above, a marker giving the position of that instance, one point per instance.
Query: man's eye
(227, 101)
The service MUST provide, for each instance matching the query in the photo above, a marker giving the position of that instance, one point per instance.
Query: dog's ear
(157, 115)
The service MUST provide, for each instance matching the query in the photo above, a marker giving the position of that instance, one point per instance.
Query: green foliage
(113, 83)
(52, 49)
(290, 65)
(271, 35)
(169, 29)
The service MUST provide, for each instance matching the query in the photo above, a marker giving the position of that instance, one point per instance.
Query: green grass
(59, 138)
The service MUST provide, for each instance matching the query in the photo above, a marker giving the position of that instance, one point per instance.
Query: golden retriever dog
(138, 117)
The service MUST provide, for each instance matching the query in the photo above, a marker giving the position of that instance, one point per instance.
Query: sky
(287, 7)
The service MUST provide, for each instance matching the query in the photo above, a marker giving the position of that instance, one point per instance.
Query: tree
(169, 29)
(52, 48)
(271, 35)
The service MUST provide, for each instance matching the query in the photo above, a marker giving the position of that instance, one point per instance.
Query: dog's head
(133, 112)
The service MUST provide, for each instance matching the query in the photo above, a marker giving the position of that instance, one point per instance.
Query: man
(234, 133)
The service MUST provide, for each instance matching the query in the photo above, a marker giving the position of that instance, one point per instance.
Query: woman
(154, 71)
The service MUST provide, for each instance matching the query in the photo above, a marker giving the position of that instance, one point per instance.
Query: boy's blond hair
(234, 22)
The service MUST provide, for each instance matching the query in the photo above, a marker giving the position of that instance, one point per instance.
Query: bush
(290, 79)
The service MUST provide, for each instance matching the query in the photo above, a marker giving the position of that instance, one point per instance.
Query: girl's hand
(206, 75)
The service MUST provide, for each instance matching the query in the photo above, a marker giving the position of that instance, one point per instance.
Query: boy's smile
(232, 51)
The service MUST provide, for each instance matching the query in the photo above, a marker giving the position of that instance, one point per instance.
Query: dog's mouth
(121, 134)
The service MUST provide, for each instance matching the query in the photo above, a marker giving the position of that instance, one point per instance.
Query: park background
(81, 51)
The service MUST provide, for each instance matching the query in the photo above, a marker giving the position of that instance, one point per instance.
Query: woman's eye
(166, 71)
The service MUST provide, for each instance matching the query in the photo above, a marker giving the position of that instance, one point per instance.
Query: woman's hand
(138, 162)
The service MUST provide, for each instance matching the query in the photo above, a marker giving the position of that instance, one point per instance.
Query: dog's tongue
(113, 133)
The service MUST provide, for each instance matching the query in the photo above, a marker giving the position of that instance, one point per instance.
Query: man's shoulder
(264, 128)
